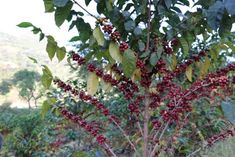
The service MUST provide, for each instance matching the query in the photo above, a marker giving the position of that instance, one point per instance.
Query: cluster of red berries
(167, 48)
(115, 36)
(134, 106)
(174, 42)
(156, 124)
(161, 67)
(76, 57)
(123, 46)
(180, 100)
(108, 28)
(155, 100)
(87, 98)
(140, 64)
(221, 136)
(81, 122)
(127, 86)
(145, 78)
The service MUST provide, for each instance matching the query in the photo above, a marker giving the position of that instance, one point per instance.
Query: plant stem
(145, 134)
(84, 9)
(124, 134)
(110, 150)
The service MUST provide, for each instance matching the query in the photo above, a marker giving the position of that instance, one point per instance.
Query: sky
(13, 12)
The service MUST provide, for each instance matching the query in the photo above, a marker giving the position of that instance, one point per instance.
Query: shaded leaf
(215, 14)
(92, 83)
(62, 13)
(129, 25)
(115, 52)
(99, 36)
(153, 59)
(184, 45)
(60, 3)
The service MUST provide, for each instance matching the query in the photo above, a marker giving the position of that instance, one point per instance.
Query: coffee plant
(170, 66)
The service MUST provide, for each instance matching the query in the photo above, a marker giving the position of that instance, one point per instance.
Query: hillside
(14, 53)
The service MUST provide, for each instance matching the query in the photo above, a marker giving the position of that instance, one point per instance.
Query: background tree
(27, 83)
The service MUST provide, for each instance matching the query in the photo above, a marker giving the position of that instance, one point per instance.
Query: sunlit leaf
(51, 47)
(47, 77)
(60, 53)
(92, 83)
(99, 36)
(189, 73)
(115, 52)
(129, 62)
(205, 67)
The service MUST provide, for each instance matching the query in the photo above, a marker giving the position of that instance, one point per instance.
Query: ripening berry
(123, 46)
(115, 35)
(108, 29)
(91, 67)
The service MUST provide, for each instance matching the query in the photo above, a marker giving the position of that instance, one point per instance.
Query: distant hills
(14, 53)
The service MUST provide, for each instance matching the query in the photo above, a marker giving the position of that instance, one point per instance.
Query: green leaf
(92, 83)
(87, 2)
(229, 111)
(25, 25)
(60, 3)
(45, 108)
(189, 73)
(141, 45)
(184, 46)
(33, 59)
(205, 67)
(49, 6)
(60, 53)
(129, 25)
(137, 31)
(62, 13)
(115, 52)
(47, 105)
(225, 25)
(41, 37)
(75, 38)
(153, 59)
(47, 77)
(168, 3)
(84, 29)
(99, 36)
(129, 62)
(51, 47)
(230, 6)
(215, 14)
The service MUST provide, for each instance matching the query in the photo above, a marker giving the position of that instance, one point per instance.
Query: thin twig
(85, 9)
(155, 147)
(110, 150)
(124, 134)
